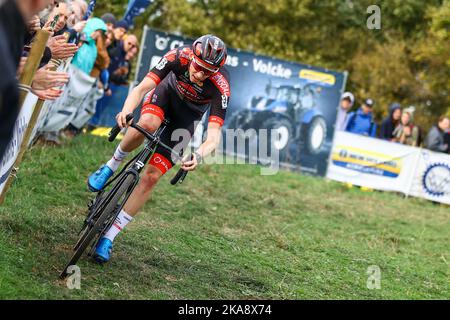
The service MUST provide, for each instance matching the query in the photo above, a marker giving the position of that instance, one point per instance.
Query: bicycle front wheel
(102, 217)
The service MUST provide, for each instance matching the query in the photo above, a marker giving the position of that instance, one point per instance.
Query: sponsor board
(12, 151)
(297, 101)
(389, 166)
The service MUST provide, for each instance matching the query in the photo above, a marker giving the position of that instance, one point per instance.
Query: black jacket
(388, 125)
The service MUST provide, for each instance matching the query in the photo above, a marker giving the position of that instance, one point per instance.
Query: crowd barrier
(389, 166)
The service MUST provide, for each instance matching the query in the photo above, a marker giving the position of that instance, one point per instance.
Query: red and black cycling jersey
(214, 92)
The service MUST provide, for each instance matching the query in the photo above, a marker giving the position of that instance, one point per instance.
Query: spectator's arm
(383, 131)
(349, 124)
(137, 94)
(432, 141)
(415, 136)
(103, 59)
(374, 130)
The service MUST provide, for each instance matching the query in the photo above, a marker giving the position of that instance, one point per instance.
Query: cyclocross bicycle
(103, 210)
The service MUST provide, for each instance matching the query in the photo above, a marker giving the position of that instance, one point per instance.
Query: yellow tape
(104, 132)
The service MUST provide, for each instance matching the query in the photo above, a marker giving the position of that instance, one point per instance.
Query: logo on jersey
(158, 159)
(162, 64)
(224, 102)
(221, 83)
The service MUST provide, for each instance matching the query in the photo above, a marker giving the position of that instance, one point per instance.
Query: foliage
(410, 53)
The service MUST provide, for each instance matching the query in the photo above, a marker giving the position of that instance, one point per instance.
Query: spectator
(391, 122)
(110, 21)
(77, 10)
(87, 54)
(361, 121)
(119, 76)
(120, 72)
(406, 132)
(347, 101)
(13, 28)
(87, 110)
(435, 138)
(120, 29)
(447, 139)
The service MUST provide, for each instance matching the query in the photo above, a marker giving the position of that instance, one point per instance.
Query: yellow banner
(316, 76)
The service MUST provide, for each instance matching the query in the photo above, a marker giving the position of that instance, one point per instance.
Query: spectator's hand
(49, 30)
(60, 48)
(121, 119)
(45, 78)
(23, 60)
(49, 94)
(121, 71)
(108, 93)
(79, 26)
(34, 24)
(58, 27)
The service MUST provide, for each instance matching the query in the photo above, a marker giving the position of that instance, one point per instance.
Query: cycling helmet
(348, 95)
(210, 49)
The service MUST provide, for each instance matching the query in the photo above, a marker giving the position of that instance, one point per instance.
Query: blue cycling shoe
(98, 179)
(103, 250)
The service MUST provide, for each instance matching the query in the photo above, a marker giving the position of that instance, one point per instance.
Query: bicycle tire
(129, 180)
(87, 226)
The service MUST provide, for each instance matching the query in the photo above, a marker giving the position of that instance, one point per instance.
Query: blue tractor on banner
(290, 113)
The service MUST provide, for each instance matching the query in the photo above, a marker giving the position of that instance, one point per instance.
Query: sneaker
(103, 250)
(98, 179)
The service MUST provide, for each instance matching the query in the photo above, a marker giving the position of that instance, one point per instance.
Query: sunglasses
(206, 71)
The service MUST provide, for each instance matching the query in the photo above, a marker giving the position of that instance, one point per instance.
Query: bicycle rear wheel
(97, 227)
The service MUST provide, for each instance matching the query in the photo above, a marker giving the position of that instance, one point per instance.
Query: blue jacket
(361, 123)
(85, 57)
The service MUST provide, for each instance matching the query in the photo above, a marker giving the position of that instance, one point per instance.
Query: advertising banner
(383, 165)
(370, 162)
(109, 106)
(297, 102)
(432, 177)
(12, 151)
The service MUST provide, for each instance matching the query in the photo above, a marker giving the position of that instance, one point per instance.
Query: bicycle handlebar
(116, 129)
(181, 174)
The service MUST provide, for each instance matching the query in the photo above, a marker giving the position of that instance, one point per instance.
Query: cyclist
(185, 83)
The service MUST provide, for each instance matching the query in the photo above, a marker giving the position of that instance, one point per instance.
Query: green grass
(227, 232)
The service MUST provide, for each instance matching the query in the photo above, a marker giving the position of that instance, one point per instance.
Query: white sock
(121, 221)
(117, 159)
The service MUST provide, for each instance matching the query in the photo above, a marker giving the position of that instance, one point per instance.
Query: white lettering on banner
(20, 127)
(389, 166)
(161, 43)
(175, 44)
(274, 70)
(232, 61)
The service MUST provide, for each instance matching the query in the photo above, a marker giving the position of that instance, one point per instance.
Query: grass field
(227, 232)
